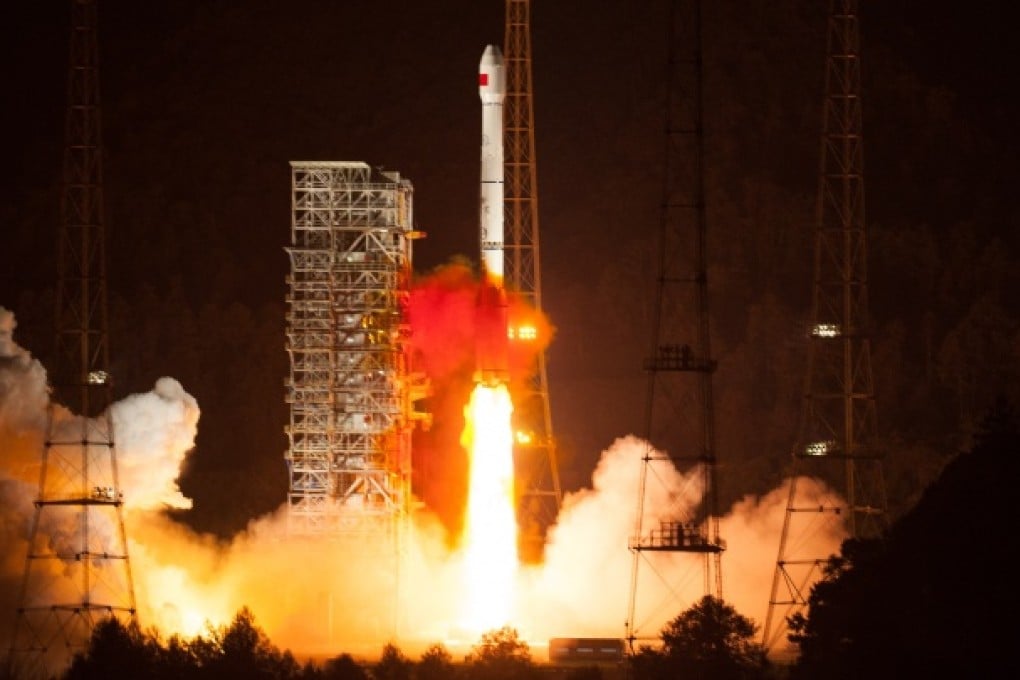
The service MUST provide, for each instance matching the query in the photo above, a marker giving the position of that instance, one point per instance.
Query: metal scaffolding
(351, 389)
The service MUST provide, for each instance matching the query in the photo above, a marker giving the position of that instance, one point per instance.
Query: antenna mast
(77, 571)
(537, 470)
(679, 411)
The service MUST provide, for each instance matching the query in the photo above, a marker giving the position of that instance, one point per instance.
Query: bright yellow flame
(183, 608)
(490, 528)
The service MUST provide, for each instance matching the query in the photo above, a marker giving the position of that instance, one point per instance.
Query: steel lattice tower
(679, 410)
(537, 470)
(77, 570)
(836, 441)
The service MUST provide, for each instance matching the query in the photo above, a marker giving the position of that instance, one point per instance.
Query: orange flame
(490, 528)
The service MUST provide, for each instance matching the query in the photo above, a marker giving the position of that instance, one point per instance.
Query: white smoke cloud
(592, 530)
(23, 391)
(584, 586)
(154, 433)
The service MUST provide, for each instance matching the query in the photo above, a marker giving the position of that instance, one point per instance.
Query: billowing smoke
(584, 586)
(154, 433)
(23, 391)
(324, 597)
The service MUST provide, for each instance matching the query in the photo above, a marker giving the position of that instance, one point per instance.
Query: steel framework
(535, 456)
(77, 570)
(679, 408)
(351, 389)
(836, 441)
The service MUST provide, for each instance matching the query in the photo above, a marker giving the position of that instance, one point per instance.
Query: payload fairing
(491, 354)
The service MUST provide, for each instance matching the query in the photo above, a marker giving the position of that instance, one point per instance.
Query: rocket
(491, 324)
(492, 90)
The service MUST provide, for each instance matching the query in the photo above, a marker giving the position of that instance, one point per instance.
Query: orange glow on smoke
(490, 528)
(186, 610)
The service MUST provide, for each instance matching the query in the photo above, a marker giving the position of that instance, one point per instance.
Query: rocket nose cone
(491, 80)
(492, 56)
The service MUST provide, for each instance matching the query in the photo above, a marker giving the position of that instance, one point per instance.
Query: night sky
(205, 103)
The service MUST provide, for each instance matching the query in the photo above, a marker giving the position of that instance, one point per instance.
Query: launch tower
(77, 571)
(535, 455)
(836, 442)
(679, 411)
(351, 389)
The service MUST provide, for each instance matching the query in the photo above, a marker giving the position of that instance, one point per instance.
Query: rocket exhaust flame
(490, 531)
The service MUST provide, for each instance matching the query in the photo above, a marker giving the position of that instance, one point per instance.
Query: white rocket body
(492, 90)
(491, 319)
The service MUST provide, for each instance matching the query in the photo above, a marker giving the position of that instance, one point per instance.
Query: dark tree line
(709, 641)
(243, 651)
(933, 597)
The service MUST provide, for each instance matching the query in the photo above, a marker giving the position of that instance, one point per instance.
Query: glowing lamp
(826, 330)
(821, 448)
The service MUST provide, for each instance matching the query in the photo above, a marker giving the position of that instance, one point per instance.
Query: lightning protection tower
(535, 447)
(836, 442)
(683, 540)
(77, 571)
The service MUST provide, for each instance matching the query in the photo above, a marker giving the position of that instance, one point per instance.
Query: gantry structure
(351, 388)
(836, 440)
(681, 542)
(77, 570)
(535, 456)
